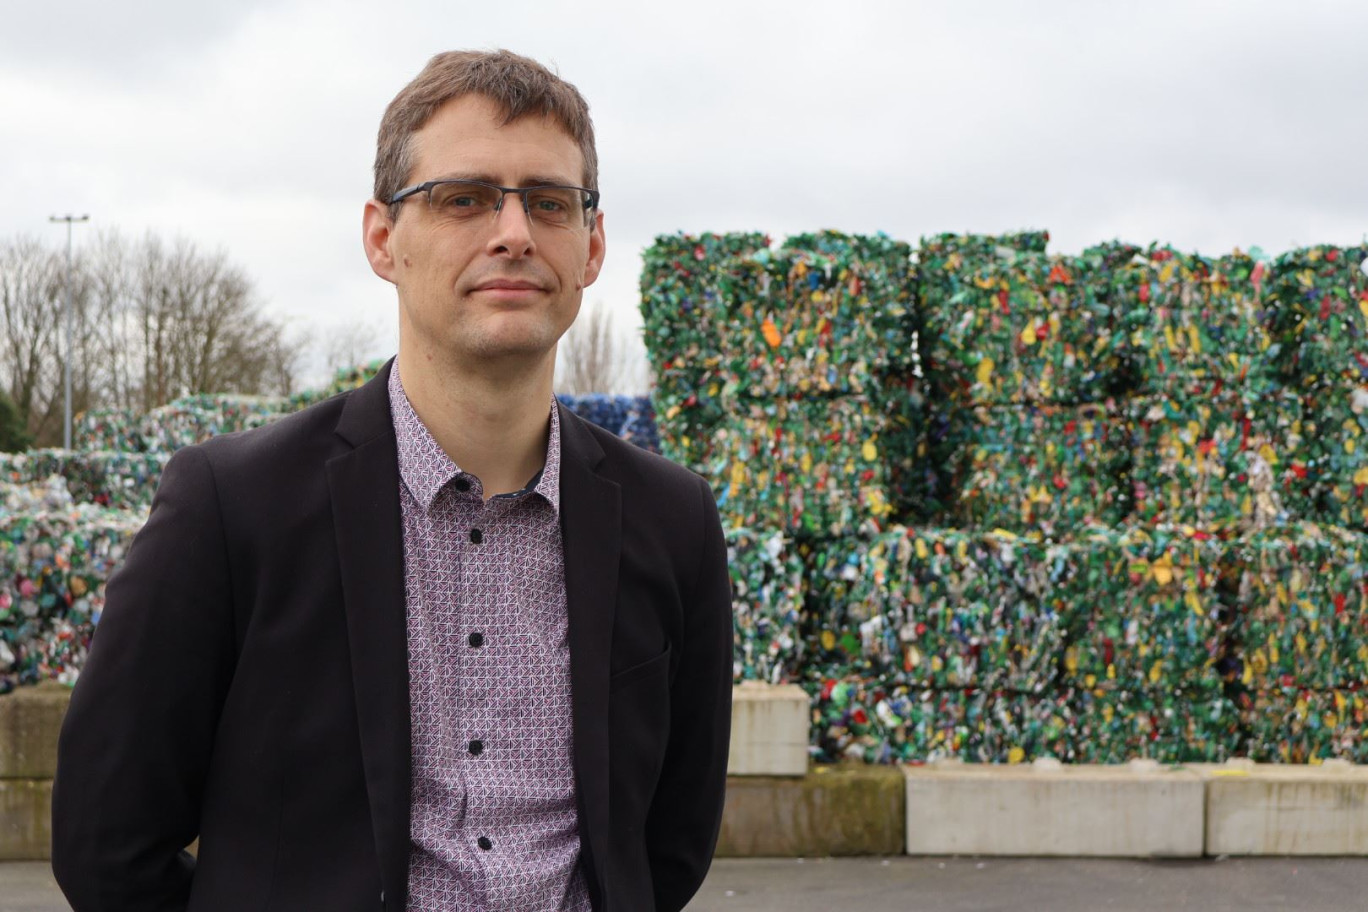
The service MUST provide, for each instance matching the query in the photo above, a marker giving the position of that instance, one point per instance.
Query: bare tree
(151, 322)
(31, 289)
(348, 344)
(592, 354)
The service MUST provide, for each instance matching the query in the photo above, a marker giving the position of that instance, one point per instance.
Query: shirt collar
(426, 469)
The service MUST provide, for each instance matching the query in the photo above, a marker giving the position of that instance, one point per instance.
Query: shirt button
(476, 747)
(484, 843)
(476, 536)
(476, 640)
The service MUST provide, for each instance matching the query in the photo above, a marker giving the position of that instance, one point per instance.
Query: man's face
(500, 291)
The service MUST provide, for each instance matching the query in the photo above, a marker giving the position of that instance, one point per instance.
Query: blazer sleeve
(686, 814)
(135, 745)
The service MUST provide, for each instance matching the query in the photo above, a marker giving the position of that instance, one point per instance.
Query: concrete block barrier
(1136, 810)
(1268, 809)
(834, 810)
(30, 719)
(769, 734)
(25, 819)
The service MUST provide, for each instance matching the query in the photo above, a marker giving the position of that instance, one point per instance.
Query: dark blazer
(248, 682)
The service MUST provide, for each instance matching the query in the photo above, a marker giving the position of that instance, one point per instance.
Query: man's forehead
(472, 134)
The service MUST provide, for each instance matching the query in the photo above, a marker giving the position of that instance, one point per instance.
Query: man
(435, 644)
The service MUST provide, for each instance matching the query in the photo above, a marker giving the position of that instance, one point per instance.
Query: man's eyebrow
(530, 181)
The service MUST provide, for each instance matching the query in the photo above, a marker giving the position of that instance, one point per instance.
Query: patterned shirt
(494, 820)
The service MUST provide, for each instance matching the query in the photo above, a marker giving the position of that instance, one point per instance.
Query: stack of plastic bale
(768, 592)
(679, 288)
(195, 419)
(786, 376)
(1142, 671)
(1216, 437)
(629, 417)
(1021, 353)
(928, 643)
(107, 478)
(820, 395)
(55, 557)
(109, 429)
(1322, 293)
(1301, 657)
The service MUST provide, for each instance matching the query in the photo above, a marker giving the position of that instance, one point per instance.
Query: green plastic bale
(1052, 469)
(1303, 619)
(799, 322)
(1295, 725)
(768, 589)
(1332, 473)
(106, 478)
(1218, 458)
(869, 718)
(819, 467)
(864, 717)
(1187, 318)
(53, 568)
(679, 287)
(679, 280)
(1323, 296)
(1193, 723)
(940, 608)
(1153, 608)
(1025, 329)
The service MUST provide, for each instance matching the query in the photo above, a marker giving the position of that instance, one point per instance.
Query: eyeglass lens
(466, 200)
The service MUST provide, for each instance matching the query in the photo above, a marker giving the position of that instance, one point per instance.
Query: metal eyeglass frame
(425, 187)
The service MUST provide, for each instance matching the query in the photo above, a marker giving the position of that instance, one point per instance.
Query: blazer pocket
(653, 666)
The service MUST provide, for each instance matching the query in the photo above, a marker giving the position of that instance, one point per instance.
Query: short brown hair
(518, 85)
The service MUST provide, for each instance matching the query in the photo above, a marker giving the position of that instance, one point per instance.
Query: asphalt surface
(957, 885)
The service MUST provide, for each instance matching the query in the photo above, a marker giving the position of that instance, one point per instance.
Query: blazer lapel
(591, 530)
(364, 484)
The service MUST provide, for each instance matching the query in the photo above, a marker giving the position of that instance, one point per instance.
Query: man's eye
(462, 202)
(549, 204)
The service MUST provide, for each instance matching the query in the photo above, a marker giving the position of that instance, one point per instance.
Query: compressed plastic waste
(106, 478)
(1187, 318)
(629, 417)
(1303, 620)
(1154, 610)
(1052, 469)
(1298, 725)
(941, 608)
(55, 556)
(185, 421)
(819, 467)
(1218, 458)
(768, 588)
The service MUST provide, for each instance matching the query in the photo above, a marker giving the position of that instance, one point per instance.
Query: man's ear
(597, 243)
(377, 229)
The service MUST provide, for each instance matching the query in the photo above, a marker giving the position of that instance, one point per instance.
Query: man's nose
(512, 231)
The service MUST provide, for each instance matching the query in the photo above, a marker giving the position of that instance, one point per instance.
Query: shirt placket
(484, 643)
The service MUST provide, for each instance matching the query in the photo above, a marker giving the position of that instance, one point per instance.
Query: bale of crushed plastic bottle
(941, 608)
(768, 590)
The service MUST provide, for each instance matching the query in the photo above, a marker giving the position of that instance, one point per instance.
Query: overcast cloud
(250, 126)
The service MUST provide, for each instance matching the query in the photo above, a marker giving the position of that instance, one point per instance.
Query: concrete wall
(30, 719)
(1140, 809)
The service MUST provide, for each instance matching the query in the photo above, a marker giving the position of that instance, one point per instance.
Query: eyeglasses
(469, 201)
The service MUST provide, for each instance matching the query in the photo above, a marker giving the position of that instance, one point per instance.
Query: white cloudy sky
(249, 126)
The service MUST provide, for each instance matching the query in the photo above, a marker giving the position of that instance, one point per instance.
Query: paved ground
(958, 885)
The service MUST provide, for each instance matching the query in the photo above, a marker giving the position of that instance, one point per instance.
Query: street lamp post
(66, 362)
